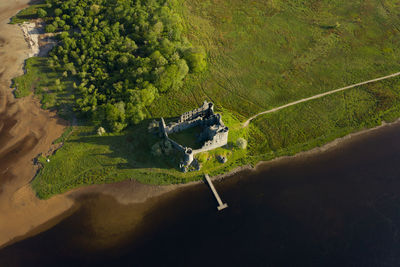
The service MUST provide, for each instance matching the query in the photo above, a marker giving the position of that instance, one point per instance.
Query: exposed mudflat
(25, 131)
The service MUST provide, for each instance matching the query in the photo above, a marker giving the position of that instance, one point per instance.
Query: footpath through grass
(261, 55)
(264, 54)
(312, 124)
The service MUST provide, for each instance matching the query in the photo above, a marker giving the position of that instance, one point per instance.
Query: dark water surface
(336, 208)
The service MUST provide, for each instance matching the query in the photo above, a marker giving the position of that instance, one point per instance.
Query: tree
(135, 113)
(61, 23)
(115, 116)
(75, 21)
(158, 59)
(123, 60)
(50, 28)
(58, 12)
(156, 149)
(148, 94)
(71, 68)
(123, 53)
(41, 13)
(196, 59)
(95, 9)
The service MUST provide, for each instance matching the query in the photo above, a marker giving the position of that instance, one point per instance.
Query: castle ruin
(214, 133)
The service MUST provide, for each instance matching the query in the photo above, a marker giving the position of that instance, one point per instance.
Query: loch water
(340, 207)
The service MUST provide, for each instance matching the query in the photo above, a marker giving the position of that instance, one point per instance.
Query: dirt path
(246, 123)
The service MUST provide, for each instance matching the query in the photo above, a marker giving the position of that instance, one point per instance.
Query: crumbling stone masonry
(214, 132)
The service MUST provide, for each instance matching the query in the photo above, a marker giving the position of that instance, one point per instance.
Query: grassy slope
(43, 79)
(261, 55)
(87, 158)
(265, 54)
(306, 126)
(26, 14)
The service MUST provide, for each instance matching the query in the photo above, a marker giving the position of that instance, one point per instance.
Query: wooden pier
(220, 203)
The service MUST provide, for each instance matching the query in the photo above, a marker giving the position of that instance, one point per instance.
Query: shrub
(168, 149)
(50, 28)
(156, 149)
(58, 12)
(41, 13)
(241, 143)
(196, 58)
(152, 126)
(101, 131)
(203, 157)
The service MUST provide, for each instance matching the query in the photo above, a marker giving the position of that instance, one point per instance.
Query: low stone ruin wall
(220, 139)
(176, 145)
(201, 116)
(183, 125)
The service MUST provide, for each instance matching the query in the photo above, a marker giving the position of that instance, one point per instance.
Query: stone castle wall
(220, 139)
(177, 127)
(202, 111)
(204, 116)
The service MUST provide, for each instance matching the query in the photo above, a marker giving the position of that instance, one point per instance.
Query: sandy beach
(26, 130)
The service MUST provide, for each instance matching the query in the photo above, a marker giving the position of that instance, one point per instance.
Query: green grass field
(261, 54)
(265, 54)
(87, 158)
(189, 137)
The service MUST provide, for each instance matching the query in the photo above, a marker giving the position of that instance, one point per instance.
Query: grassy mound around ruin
(87, 158)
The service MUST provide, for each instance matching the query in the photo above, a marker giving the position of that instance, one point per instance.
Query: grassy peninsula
(260, 55)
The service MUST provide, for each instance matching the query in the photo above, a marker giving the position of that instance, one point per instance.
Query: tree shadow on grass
(131, 149)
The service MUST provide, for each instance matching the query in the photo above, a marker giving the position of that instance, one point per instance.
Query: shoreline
(123, 198)
(130, 192)
(52, 211)
(25, 131)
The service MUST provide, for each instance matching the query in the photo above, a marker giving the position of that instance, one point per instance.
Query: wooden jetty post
(221, 205)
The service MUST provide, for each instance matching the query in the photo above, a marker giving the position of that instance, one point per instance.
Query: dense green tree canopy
(123, 54)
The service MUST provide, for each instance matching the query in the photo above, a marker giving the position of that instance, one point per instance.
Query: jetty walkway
(221, 205)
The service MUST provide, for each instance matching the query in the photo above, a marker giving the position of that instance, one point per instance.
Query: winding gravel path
(246, 123)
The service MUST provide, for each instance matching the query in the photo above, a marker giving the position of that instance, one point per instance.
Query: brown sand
(26, 130)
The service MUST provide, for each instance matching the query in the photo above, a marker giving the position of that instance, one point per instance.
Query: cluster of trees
(122, 53)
